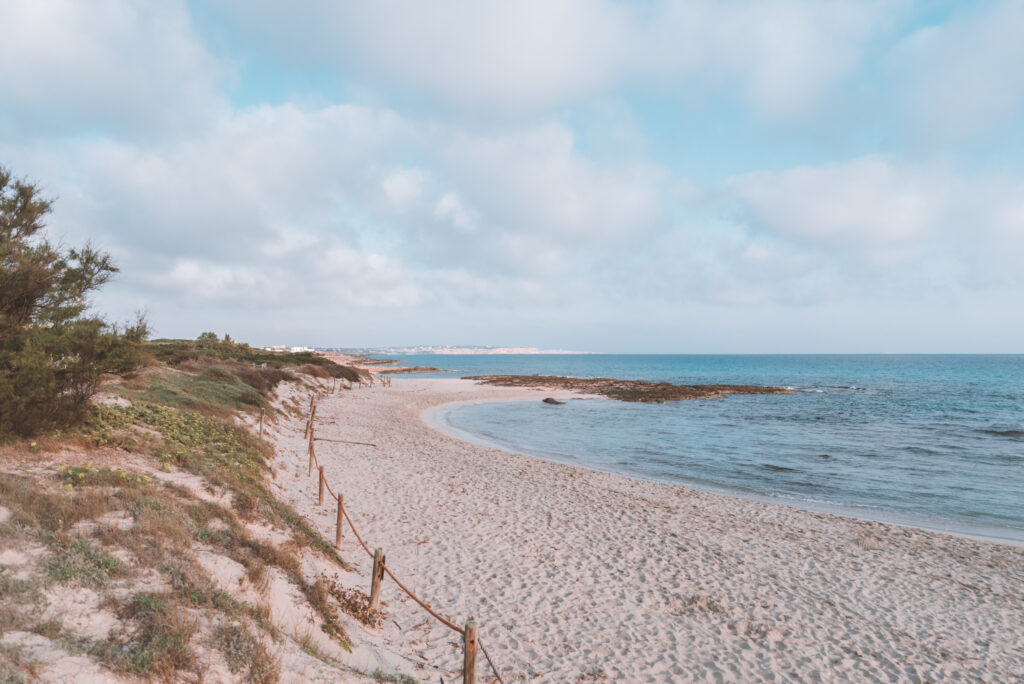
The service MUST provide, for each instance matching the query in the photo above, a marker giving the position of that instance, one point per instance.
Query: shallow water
(935, 440)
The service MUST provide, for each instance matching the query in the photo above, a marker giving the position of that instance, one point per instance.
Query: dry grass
(17, 666)
(246, 654)
(156, 641)
(353, 601)
(53, 511)
(315, 372)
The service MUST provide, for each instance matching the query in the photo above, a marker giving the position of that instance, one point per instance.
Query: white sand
(576, 575)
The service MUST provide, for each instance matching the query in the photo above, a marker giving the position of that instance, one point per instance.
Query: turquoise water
(933, 440)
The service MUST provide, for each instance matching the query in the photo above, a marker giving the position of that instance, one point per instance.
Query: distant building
(283, 349)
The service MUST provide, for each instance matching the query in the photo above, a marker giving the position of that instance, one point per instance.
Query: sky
(778, 176)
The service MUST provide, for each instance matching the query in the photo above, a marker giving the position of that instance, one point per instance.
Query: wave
(778, 468)
(1008, 433)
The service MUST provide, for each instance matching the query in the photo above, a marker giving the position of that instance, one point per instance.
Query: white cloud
(889, 214)
(275, 205)
(403, 188)
(205, 280)
(534, 181)
(68, 64)
(449, 208)
(869, 203)
(963, 77)
(788, 54)
(521, 57)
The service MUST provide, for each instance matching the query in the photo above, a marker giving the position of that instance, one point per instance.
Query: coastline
(435, 417)
(576, 573)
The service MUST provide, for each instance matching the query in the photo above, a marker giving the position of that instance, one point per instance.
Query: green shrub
(52, 351)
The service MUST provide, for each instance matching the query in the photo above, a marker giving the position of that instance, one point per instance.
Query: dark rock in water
(824, 456)
(626, 390)
(552, 400)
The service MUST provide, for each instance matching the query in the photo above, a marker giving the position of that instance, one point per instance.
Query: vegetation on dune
(182, 419)
(132, 536)
(53, 352)
(208, 348)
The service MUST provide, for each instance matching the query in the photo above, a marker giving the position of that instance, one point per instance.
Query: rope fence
(469, 632)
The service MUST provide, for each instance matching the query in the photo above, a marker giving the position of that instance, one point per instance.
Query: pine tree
(53, 351)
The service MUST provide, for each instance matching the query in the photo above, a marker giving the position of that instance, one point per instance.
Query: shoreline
(433, 417)
(575, 573)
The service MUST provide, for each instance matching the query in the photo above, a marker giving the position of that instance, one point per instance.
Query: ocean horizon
(931, 440)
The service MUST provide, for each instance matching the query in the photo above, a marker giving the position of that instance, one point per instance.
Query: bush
(52, 351)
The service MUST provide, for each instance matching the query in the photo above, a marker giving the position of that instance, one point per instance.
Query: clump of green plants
(90, 475)
(397, 678)
(78, 561)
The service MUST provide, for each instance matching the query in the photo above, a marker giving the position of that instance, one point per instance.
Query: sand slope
(575, 575)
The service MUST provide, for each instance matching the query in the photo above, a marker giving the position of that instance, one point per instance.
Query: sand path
(579, 576)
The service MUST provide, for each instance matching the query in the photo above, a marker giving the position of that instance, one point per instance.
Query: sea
(934, 441)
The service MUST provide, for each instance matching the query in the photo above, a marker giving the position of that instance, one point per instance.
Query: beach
(576, 575)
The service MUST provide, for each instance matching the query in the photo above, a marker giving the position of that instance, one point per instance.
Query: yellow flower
(68, 487)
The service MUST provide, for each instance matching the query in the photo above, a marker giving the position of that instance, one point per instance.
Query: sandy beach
(581, 576)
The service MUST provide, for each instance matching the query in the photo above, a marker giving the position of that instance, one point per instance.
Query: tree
(52, 350)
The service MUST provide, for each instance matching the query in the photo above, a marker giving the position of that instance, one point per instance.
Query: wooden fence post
(312, 415)
(262, 412)
(312, 453)
(320, 495)
(341, 519)
(469, 653)
(378, 575)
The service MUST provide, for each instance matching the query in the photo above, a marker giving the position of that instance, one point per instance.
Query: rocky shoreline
(627, 390)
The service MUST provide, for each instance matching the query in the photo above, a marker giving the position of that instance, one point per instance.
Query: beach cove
(577, 575)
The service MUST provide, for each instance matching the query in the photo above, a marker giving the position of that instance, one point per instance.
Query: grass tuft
(77, 561)
(157, 644)
(397, 678)
(246, 654)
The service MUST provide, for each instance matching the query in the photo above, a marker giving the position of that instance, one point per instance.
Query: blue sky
(772, 176)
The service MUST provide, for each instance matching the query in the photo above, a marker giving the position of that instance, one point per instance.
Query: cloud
(450, 208)
(893, 216)
(66, 65)
(963, 77)
(276, 205)
(533, 180)
(518, 58)
(403, 188)
(868, 204)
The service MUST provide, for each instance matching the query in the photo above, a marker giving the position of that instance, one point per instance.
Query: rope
(356, 532)
(342, 441)
(448, 623)
(425, 606)
(489, 661)
(404, 588)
